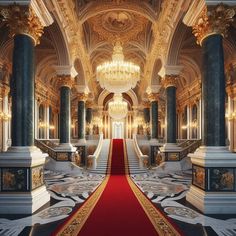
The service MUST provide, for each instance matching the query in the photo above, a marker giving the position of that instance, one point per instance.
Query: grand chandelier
(118, 76)
(118, 108)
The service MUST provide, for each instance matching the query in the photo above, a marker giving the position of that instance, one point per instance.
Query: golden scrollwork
(215, 21)
(82, 96)
(170, 81)
(65, 81)
(22, 20)
(152, 97)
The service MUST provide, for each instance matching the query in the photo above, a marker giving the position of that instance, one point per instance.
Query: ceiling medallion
(118, 76)
(116, 21)
(118, 108)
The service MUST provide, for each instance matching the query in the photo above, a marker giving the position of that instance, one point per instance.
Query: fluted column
(153, 98)
(211, 161)
(65, 84)
(23, 161)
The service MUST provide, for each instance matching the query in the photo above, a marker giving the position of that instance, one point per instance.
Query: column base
(65, 147)
(22, 190)
(23, 203)
(81, 142)
(170, 147)
(212, 190)
(212, 203)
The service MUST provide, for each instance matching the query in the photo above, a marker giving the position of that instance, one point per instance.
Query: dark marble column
(154, 119)
(170, 84)
(65, 115)
(89, 115)
(146, 114)
(171, 114)
(23, 91)
(81, 119)
(213, 91)
(81, 116)
(66, 83)
(153, 97)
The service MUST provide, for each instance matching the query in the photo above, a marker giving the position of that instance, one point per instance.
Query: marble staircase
(133, 159)
(102, 159)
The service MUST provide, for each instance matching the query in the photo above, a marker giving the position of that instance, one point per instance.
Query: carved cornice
(82, 97)
(214, 21)
(170, 81)
(152, 97)
(22, 20)
(65, 81)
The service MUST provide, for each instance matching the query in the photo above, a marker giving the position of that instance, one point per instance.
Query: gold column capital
(152, 97)
(146, 104)
(170, 81)
(65, 81)
(22, 20)
(213, 21)
(89, 104)
(82, 97)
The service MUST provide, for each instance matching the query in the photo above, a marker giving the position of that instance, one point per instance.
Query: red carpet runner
(117, 212)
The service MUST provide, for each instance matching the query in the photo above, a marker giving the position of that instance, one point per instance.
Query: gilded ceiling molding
(100, 7)
(64, 10)
(170, 81)
(22, 20)
(213, 21)
(163, 29)
(65, 81)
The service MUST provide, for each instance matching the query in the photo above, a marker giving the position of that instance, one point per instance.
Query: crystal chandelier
(117, 109)
(118, 76)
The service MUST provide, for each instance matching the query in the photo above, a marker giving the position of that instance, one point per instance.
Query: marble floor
(166, 190)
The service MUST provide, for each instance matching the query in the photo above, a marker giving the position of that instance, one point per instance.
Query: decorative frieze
(22, 20)
(213, 21)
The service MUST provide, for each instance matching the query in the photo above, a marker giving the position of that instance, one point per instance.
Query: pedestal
(22, 189)
(213, 189)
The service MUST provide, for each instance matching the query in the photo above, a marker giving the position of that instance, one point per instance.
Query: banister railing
(48, 147)
(143, 159)
(91, 160)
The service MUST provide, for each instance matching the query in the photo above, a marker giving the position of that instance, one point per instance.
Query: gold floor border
(160, 223)
(75, 224)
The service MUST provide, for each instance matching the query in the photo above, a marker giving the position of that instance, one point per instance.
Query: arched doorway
(118, 129)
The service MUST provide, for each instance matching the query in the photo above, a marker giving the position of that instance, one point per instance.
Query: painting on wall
(221, 179)
(14, 179)
(199, 174)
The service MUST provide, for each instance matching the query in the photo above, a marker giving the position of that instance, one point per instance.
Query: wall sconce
(163, 126)
(45, 125)
(5, 116)
(231, 116)
(72, 126)
(51, 127)
(184, 127)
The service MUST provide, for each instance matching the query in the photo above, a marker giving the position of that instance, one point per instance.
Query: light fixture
(118, 108)
(5, 116)
(118, 76)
